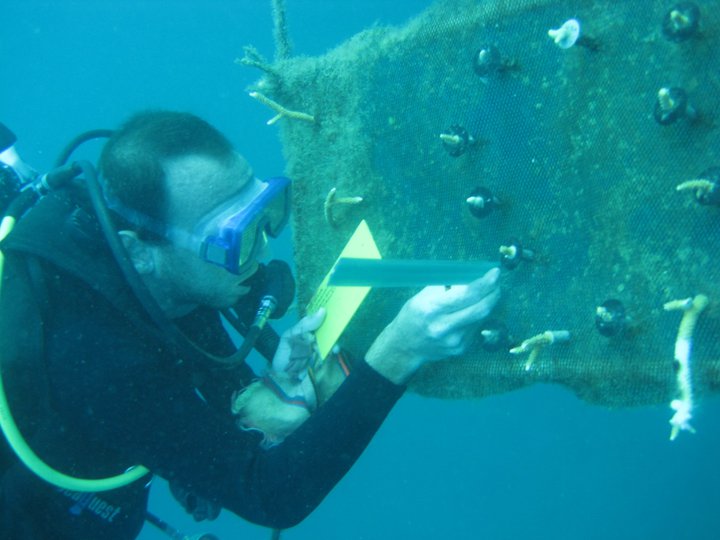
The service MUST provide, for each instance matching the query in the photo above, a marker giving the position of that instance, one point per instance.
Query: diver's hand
(433, 325)
(283, 399)
(297, 346)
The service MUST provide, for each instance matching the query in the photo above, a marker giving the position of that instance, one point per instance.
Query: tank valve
(456, 140)
(671, 105)
(706, 187)
(681, 22)
(610, 318)
(481, 202)
(513, 252)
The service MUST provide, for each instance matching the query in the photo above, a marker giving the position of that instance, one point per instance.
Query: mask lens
(241, 233)
(277, 212)
(269, 222)
(252, 241)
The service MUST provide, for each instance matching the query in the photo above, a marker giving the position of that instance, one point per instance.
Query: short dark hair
(131, 162)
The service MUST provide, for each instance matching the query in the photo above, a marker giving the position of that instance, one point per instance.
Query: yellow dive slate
(341, 303)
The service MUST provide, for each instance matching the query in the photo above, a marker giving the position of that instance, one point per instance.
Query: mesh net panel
(566, 140)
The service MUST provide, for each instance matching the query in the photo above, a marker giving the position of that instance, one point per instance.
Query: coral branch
(331, 201)
(535, 343)
(280, 110)
(683, 405)
(283, 48)
(253, 58)
(700, 185)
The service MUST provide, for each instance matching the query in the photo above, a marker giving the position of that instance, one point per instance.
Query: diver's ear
(141, 253)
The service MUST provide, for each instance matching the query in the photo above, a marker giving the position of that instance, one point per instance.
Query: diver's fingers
(470, 315)
(296, 346)
(447, 300)
(475, 291)
(307, 324)
(453, 332)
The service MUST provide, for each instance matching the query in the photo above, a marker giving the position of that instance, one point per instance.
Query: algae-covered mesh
(470, 128)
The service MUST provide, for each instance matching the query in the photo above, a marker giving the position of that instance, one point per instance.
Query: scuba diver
(116, 362)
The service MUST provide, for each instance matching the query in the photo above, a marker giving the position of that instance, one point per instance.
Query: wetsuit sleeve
(324, 448)
(118, 395)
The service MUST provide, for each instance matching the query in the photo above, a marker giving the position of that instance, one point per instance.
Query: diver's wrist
(393, 362)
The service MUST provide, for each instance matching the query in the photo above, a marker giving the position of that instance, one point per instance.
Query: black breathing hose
(273, 290)
(79, 140)
(122, 258)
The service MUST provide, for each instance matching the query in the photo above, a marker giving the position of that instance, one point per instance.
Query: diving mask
(233, 234)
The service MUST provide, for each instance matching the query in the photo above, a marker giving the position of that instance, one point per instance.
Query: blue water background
(537, 463)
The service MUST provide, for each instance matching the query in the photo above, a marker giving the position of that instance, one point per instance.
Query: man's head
(164, 173)
(134, 161)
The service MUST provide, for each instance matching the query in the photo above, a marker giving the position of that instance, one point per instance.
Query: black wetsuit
(120, 397)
